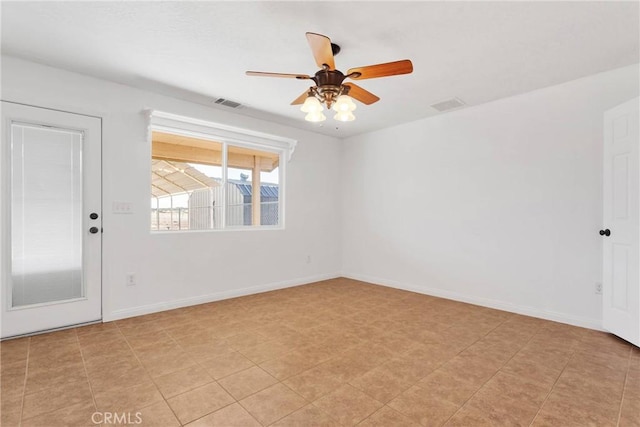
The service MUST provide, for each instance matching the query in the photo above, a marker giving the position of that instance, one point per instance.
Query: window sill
(222, 230)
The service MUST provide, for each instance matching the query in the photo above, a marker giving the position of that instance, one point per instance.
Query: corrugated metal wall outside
(204, 211)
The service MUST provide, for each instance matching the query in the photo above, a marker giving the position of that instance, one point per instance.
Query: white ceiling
(476, 51)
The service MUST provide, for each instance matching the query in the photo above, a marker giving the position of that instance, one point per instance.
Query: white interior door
(621, 232)
(51, 219)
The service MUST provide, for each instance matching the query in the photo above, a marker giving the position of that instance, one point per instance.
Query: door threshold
(46, 331)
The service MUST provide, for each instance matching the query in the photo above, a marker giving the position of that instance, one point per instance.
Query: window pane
(186, 183)
(248, 168)
(189, 193)
(269, 199)
(239, 207)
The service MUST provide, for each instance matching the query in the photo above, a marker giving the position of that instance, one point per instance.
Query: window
(203, 178)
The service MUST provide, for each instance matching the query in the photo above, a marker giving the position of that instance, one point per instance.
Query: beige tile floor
(334, 353)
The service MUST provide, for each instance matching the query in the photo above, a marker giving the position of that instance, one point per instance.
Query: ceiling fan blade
(300, 100)
(290, 76)
(361, 95)
(321, 49)
(381, 70)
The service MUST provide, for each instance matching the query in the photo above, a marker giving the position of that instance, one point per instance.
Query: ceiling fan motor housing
(329, 85)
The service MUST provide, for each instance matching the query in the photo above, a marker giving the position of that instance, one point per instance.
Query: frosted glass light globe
(344, 103)
(345, 116)
(315, 116)
(311, 105)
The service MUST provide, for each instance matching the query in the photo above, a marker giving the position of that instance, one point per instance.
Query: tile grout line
(24, 384)
(479, 339)
(50, 388)
(255, 364)
(89, 382)
(135, 355)
(197, 362)
(497, 371)
(288, 388)
(412, 384)
(624, 386)
(438, 367)
(573, 353)
(279, 382)
(282, 381)
(214, 380)
(151, 377)
(86, 372)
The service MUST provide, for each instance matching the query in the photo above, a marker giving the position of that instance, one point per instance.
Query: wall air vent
(448, 104)
(227, 103)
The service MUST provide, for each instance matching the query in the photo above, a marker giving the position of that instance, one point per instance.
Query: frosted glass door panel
(46, 214)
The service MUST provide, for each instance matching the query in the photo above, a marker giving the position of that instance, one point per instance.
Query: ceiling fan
(330, 88)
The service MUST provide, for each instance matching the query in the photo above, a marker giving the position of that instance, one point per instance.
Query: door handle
(94, 230)
(605, 232)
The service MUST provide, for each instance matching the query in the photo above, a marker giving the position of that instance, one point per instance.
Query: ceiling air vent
(448, 104)
(227, 103)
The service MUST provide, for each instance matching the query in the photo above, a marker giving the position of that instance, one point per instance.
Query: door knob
(605, 232)
(93, 215)
(93, 230)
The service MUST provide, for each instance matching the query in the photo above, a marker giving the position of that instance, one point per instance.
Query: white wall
(175, 269)
(498, 204)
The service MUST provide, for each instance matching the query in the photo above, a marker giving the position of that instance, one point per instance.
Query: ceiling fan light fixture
(345, 116)
(315, 117)
(311, 105)
(344, 103)
(329, 91)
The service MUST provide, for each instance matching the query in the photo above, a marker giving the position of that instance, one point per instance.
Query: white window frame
(228, 136)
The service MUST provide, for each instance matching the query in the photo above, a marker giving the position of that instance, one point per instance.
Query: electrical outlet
(131, 279)
(598, 288)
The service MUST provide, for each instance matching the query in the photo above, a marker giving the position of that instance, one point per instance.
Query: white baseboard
(217, 296)
(485, 302)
